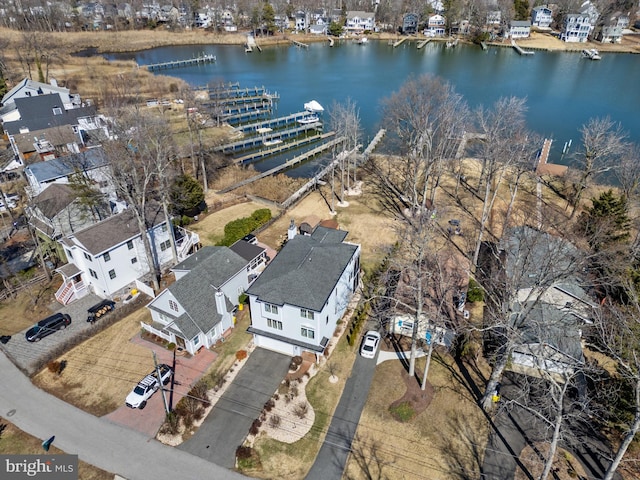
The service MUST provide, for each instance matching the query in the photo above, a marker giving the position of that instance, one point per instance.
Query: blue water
(563, 90)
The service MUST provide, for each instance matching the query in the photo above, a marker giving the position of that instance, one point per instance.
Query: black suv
(49, 325)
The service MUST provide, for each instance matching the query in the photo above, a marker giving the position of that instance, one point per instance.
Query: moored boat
(591, 54)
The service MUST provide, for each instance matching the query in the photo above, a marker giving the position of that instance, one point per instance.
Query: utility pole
(164, 399)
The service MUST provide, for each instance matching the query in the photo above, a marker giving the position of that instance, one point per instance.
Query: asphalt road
(228, 423)
(334, 452)
(96, 441)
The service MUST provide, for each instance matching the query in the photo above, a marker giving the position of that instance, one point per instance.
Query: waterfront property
(296, 302)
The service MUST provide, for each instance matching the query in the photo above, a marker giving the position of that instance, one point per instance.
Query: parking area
(187, 372)
(28, 355)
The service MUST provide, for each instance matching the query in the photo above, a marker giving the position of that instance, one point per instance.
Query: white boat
(309, 119)
(591, 54)
(362, 41)
(269, 143)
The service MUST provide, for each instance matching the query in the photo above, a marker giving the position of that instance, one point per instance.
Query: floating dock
(200, 60)
(265, 135)
(520, 50)
(283, 147)
(299, 44)
(543, 167)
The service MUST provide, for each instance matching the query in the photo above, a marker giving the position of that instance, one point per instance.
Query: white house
(435, 26)
(541, 16)
(519, 29)
(296, 302)
(358, 22)
(197, 309)
(611, 30)
(109, 256)
(31, 88)
(576, 28)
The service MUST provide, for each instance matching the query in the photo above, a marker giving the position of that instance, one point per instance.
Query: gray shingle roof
(221, 264)
(34, 86)
(246, 250)
(64, 166)
(36, 113)
(53, 199)
(113, 231)
(306, 270)
(56, 136)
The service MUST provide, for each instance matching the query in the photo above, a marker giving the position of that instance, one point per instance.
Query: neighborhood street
(96, 441)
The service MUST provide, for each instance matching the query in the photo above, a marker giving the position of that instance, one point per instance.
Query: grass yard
(445, 441)
(101, 371)
(29, 306)
(15, 441)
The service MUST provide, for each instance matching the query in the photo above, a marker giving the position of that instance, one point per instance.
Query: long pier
(374, 143)
(200, 60)
(283, 147)
(272, 123)
(258, 140)
(466, 136)
(285, 165)
(520, 50)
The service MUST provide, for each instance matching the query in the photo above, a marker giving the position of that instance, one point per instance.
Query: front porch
(72, 287)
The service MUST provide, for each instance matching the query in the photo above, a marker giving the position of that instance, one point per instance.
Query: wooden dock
(299, 44)
(279, 122)
(520, 50)
(483, 45)
(423, 43)
(399, 42)
(199, 60)
(543, 167)
(282, 147)
(330, 41)
(266, 134)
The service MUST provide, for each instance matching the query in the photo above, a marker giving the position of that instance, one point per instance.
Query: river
(563, 90)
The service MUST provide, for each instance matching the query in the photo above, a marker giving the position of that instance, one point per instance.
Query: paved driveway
(27, 355)
(228, 423)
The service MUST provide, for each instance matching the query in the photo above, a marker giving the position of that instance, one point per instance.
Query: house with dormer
(30, 88)
(435, 26)
(198, 308)
(612, 28)
(576, 28)
(359, 22)
(541, 16)
(300, 296)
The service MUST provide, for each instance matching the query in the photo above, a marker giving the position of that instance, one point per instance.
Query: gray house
(198, 308)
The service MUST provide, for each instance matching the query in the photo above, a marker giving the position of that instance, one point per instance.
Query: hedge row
(237, 229)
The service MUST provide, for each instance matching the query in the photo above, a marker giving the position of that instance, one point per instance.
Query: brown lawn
(101, 371)
(26, 308)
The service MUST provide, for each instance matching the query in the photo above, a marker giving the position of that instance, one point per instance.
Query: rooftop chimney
(292, 230)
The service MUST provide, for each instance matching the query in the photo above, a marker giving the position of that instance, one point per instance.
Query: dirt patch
(413, 402)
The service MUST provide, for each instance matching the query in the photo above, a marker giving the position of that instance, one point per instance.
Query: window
(306, 314)
(68, 252)
(106, 257)
(93, 274)
(87, 256)
(130, 244)
(307, 332)
(196, 340)
(134, 260)
(173, 306)
(165, 245)
(164, 227)
(270, 308)
(277, 324)
(112, 274)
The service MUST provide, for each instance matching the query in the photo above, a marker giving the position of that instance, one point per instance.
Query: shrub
(275, 421)
(255, 427)
(243, 298)
(244, 453)
(171, 424)
(475, 293)
(53, 366)
(236, 229)
(269, 405)
(301, 410)
(402, 412)
(171, 346)
(241, 354)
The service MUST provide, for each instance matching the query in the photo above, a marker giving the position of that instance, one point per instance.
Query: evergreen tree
(606, 222)
(269, 18)
(186, 195)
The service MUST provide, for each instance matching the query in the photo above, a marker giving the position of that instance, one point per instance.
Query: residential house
(359, 22)
(197, 309)
(576, 28)
(297, 300)
(57, 212)
(611, 30)
(318, 29)
(541, 16)
(109, 256)
(302, 21)
(494, 18)
(29, 88)
(92, 163)
(519, 29)
(168, 14)
(550, 306)
(43, 145)
(410, 23)
(435, 26)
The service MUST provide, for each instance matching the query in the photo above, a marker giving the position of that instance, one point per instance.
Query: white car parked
(370, 344)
